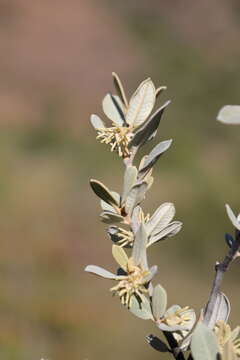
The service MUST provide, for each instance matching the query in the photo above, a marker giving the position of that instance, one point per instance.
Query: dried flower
(177, 318)
(228, 340)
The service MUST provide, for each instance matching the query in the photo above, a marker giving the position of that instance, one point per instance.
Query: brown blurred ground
(56, 64)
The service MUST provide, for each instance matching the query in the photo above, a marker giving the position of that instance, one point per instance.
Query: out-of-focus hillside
(56, 64)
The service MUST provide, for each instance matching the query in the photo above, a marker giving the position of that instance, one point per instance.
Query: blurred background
(55, 68)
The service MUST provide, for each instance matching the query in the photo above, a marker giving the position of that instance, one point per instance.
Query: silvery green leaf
(157, 343)
(103, 192)
(157, 151)
(148, 130)
(109, 217)
(204, 343)
(96, 122)
(120, 89)
(169, 231)
(141, 103)
(113, 109)
(106, 207)
(130, 177)
(152, 271)
(161, 217)
(220, 311)
(229, 240)
(97, 270)
(141, 310)
(159, 302)
(135, 196)
(120, 256)
(229, 114)
(232, 217)
(136, 218)
(139, 246)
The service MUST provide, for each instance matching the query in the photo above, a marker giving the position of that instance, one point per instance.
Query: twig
(177, 353)
(220, 269)
(129, 160)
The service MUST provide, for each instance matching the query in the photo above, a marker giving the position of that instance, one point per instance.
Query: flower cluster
(132, 230)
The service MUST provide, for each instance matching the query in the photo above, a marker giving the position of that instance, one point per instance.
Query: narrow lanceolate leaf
(159, 302)
(120, 256)
(232, 217)
(113, 109)
(220, 311)
(169, 231)
(120, 89)
(130, 178)
(103, 192)
(204, 343)
(96, 122)
(161, 218)
(148, 130)
(157, 151)
(135, 197)
(139, 246)
(109, 217)
(229, 114)
(97, 270)
(141, 310)
(136, 216)
(141, 103)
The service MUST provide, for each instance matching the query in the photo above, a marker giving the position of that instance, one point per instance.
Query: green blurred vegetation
(49, 217)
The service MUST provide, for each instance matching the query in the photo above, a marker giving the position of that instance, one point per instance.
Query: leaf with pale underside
(109, 217)
(130, 177)
(139, 246)
(154, 155)
(103, 192)
(230, 114)
(97, 270)
(141, 103)
(220, 311)
(204, 343)
(120, 256)
(232, 217)
(135, 196)
(96, 122)
(149, 129)
(113, 109)
(159, 302)
(120, 89)
(169, 231)
(161, 217)
(141, 310)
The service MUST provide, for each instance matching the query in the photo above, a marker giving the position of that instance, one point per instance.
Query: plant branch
(175, 350)
(129, 160)
(220, 269)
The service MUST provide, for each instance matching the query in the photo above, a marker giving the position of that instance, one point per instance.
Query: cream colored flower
(126, 116)
(228, 340)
